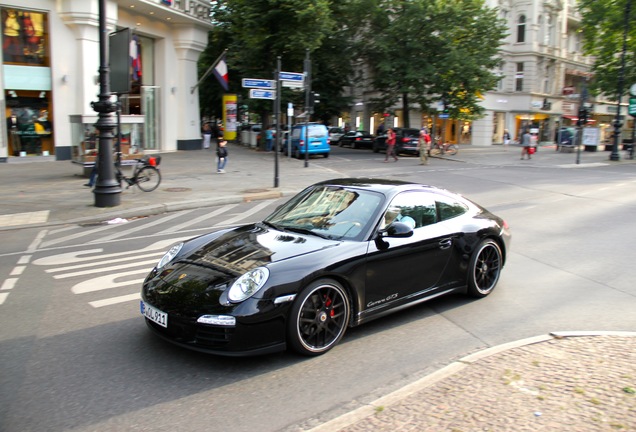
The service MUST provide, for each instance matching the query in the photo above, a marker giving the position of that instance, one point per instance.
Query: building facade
(50, 69)
(544, 78)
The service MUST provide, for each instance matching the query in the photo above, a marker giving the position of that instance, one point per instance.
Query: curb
(392, 398)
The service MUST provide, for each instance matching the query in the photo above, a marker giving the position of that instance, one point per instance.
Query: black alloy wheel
(484, 269)
(319, 318)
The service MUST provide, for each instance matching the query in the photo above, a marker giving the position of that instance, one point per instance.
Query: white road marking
(115, 300)
(108, 282)
(24, 259)
(17, 270)
(156, 255)
(246, 214)
(144, 226)
(194, 221)
(88, 233)
(147, 263)
(8, 284)
(3, 297)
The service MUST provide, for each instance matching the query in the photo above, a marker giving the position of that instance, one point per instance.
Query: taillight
(405, 140)
(358, 139)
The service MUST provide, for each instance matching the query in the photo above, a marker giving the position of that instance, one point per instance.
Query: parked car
(312, 136)
(356, 139)
(340, 253)
(334, 135)
(406, 141)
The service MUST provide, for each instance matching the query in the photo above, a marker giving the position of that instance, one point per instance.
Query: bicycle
(438, 148)
(146, 174)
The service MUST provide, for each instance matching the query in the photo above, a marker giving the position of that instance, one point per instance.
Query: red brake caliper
(328, 302)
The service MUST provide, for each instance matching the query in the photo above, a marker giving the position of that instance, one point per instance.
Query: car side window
(418, 207)
(449, 208)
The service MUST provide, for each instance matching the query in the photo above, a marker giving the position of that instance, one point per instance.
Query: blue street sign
(262, 94)
(291, 76)
(442, 115)
(258, 83)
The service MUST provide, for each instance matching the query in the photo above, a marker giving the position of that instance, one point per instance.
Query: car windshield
(328, 211)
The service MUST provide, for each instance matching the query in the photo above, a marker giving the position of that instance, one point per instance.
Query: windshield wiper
(307, 231)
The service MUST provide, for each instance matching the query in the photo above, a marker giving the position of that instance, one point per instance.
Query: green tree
(256, 33)
(425, 50)
(604, 25)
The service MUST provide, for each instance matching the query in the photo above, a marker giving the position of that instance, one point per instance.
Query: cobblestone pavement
(578, 383)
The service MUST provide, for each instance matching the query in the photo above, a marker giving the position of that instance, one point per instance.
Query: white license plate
(154, 314)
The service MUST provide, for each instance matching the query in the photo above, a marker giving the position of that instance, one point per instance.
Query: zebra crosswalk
(91, 261)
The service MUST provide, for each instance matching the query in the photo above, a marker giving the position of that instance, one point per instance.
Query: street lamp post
(107, 189)
(615, 156)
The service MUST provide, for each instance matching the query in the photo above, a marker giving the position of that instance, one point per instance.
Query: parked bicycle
(442, 148)
(146, 174)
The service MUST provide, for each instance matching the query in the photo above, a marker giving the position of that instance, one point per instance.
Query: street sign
(443, 115)
(262, 94)
(293, 84)
(632, 107)
(291, 76)
(258, 83)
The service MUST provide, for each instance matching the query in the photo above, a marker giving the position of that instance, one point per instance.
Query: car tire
(484, 268)
(326, 155)
(376, 149)
(319, 318)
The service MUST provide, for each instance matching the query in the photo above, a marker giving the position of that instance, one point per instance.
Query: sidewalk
(555, 382)
(559, 382)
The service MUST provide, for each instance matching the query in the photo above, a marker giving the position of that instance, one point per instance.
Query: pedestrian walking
(526, 143)
(390, 145)
(207, 135)
(506, 139)
(221, 153)
(269, 139)
(424, 144)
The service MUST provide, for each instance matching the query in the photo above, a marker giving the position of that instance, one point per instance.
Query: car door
(403, 269)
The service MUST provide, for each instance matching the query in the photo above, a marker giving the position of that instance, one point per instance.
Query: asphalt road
(76, 355)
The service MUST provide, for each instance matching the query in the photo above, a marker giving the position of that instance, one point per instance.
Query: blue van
(318, 141)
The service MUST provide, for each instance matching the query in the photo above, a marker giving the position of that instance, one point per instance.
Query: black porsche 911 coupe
(338, 254)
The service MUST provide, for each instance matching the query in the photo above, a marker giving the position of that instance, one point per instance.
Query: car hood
(215, 264)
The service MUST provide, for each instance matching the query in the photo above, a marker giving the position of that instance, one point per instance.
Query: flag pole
(205, 75)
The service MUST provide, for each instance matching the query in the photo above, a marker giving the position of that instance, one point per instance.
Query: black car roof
(384, 186)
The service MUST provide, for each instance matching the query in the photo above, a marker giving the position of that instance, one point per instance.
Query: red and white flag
(220, 70)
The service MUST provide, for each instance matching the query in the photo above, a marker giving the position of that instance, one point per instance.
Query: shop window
(24, 37)
(29, 125)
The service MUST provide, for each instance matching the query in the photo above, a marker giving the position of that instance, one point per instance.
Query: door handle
(445, 244)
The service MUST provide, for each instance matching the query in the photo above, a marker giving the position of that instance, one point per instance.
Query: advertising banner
(230, 121)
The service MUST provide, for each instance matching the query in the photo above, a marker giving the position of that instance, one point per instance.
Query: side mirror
(398, 229)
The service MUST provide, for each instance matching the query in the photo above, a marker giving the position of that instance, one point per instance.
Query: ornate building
(50, 64)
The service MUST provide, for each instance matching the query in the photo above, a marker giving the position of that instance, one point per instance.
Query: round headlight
(248, 284)
(169, 256)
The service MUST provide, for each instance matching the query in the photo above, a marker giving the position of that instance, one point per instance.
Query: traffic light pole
(277, 120)
(308, 107)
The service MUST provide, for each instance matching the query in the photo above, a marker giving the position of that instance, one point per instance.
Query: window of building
(521, 29)
(519, 77)
(27, 83)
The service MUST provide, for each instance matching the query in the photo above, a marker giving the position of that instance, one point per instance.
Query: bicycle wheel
(452, 149)
(148, 178)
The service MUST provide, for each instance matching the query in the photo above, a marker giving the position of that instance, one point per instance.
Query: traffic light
(314, 98)
(583, 117)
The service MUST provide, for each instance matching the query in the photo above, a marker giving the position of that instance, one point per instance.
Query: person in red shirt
(390, 145)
